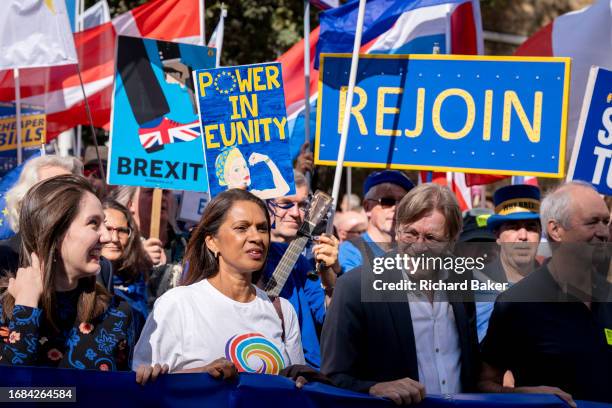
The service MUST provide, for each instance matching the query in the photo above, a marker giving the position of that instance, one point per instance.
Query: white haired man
(553, 329)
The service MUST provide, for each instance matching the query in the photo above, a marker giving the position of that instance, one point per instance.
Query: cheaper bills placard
(492, 115)
(244, 128)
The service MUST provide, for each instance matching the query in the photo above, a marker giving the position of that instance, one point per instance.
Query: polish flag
(58, 89)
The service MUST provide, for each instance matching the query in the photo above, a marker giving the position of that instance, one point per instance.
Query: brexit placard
(490, 115)
(592, 153)
(244, 127)
(155, 132)
(33, 130)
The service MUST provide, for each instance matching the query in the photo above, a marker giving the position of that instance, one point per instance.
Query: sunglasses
(385, 202)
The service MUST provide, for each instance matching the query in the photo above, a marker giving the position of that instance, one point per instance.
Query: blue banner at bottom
(119, 389)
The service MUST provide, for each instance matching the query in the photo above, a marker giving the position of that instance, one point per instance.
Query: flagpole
(79, 130)
(219, 44)
(93, 130)
(18, 114)
(307, 70)
(349, 182)
(349, 103)
(202, 9)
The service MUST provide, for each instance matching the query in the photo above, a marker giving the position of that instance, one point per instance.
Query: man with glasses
(382, 191)
(402, 344)
(312, 279)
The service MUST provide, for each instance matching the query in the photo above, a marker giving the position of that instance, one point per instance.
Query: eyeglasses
(302, 206)
(122, 232)
(411, 235)
(385, 202)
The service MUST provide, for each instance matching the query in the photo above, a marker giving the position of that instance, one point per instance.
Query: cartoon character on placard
(232, 171)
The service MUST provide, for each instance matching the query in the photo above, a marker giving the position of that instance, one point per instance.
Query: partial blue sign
(244, 127)
(155, 131)
(592, 153)
(491, 115)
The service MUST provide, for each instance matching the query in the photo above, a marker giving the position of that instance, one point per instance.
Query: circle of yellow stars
(223, 76)
(5, 213)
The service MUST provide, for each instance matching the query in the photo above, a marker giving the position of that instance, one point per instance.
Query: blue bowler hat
(516, 202)
(387, 176)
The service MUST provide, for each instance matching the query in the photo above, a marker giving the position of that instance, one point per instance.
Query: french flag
(390, 27)
(58, 89)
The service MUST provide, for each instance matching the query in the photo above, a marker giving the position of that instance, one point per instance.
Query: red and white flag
(586, 37)
(58, 90)
(583, 35)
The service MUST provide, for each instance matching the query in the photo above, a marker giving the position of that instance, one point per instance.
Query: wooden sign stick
(156, 212)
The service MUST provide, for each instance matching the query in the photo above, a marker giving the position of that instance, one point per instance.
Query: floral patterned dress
(105, 344)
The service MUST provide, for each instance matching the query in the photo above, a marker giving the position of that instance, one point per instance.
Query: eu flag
(6, 183)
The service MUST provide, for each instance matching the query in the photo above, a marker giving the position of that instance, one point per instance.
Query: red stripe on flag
(293, 70)
(463, 30)
(539, 44)
(168, 19)
(75, 115)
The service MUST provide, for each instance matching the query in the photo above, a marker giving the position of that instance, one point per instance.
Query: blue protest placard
(33, 131)
(593, 144)
(155, 132)
(244, 127)
(490, 115)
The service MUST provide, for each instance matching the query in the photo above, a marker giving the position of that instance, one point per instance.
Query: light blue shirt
(350, 257)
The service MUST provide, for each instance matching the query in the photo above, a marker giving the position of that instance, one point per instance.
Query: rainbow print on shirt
(253, 353)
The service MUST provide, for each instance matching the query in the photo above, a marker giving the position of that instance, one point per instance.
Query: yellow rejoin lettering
(381, 110)
(471, 113)
(420, 112)
(204, 80)
(488, 111)
(355, 110)
(511, 100)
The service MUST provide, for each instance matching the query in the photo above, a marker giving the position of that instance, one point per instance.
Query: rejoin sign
(593, 145)
(493, 115)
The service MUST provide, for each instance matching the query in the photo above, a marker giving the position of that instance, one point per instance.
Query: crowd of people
(83, 285)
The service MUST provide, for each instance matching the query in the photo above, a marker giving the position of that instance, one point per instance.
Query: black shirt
(549, 342)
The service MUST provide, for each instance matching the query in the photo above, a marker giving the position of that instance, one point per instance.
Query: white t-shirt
(192, 326)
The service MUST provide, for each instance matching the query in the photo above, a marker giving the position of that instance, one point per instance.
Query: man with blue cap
(382, 191)
(516, 225)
